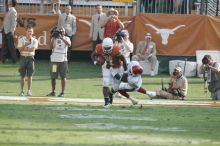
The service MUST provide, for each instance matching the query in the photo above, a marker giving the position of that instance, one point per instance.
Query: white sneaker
(134, 102)
(29, 93)
(107, 105)
(22, 93)
(151, 94)
(152, 73)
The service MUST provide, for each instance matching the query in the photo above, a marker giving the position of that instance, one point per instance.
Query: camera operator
(211, 74)
(59, 65)
(178, 86)
(127, 47)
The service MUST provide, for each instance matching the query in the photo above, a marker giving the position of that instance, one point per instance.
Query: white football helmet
(107, 45)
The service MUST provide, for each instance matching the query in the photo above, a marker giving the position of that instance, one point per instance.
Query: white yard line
(116, 101)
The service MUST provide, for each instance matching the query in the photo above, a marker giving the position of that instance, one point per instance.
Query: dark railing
(202, 7)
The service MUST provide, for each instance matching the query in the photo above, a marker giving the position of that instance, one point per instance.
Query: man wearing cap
(211, 74)
(58, 58)
(178, 86)
(146, 50)
(112, 24)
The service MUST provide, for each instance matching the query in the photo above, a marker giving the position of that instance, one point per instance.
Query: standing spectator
(112, 24)
(146, 50)
(125, 44)
(211, 74)
(178, 86)
(55, 4)
(27, 46)
(68, 22)
(96, 31)
(58, 58)
(9, 26)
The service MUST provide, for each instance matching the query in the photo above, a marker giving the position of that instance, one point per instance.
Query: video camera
(55, 33)
(206, 59)
(119, 35)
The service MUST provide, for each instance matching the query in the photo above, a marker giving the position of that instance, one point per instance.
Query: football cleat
(134, 102)
(107, 105)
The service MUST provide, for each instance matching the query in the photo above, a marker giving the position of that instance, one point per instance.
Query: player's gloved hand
(117, 76)
(108, 65)
(95, 62)
(125, 71)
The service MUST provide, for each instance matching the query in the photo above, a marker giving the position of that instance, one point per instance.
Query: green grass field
(25, 123)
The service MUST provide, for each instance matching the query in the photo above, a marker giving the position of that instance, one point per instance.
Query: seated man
(146, 50)
(178, 87)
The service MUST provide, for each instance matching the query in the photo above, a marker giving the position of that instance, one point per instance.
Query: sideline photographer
(178, 86)
(211, 74)
(127, 47)
(59, 65)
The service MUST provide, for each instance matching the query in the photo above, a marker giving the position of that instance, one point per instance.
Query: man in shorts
(58, 58)
(27, 46)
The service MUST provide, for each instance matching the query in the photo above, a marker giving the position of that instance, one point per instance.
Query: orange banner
(175, 35)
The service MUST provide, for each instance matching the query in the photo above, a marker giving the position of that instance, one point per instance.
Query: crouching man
(178, 86)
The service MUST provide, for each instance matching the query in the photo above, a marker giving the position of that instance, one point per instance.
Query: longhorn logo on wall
(165, 32)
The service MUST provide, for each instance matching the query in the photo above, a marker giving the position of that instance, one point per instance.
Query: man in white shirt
(68, 22)
(96, 29)
(27, 46)
(58, 58)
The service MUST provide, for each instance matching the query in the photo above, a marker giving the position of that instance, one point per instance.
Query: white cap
(125, 32)
(148, 35)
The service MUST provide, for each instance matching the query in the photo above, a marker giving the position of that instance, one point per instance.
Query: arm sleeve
(13, 18)
(74, 25)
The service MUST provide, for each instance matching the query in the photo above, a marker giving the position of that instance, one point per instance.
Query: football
(100, 60)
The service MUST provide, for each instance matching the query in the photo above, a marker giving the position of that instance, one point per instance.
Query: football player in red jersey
(112, 69)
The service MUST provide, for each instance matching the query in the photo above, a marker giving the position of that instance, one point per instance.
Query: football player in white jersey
(133, 82)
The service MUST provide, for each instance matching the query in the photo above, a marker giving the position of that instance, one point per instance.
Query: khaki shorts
(59, 68)
(26, 66)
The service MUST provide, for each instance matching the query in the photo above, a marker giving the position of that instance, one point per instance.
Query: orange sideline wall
(175, 35)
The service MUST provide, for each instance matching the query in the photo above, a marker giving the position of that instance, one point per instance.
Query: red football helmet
(137, 69)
